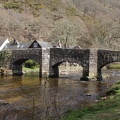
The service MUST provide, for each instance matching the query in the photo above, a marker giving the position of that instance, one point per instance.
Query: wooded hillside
(88, 23)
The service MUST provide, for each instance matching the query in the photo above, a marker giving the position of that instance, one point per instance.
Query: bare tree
(65, 32)
(106, 35)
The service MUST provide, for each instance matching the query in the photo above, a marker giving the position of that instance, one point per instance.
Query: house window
(35, 45)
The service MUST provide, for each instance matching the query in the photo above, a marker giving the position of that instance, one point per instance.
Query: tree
(30, 64)
(65, 33)
(107, 35)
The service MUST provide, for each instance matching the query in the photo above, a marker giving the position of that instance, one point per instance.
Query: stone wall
(93, 63)
(45, 61)
(5, 57)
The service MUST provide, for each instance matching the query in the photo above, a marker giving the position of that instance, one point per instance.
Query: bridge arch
(20, 56)
(22, 60)
(59, 55)
(106, 57)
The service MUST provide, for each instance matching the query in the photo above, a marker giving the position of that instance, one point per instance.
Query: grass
(104, 110)
(33, 5)
(29, 70)
(114, 66)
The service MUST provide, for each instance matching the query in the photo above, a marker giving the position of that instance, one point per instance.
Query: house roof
(75, 47)
(26, 45)
(18, 46)
(45, 44)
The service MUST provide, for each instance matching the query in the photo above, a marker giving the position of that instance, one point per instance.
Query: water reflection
(32, 83)
(53, 82)
(51, 97)
(17, 81)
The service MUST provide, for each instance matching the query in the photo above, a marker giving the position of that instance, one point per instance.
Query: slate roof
(18, 46)
(45, 44)
(26, 45)
(75, 47)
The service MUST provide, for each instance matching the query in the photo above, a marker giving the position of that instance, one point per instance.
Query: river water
(32, 98)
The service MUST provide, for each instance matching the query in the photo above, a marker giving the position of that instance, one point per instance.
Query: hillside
(88, 23)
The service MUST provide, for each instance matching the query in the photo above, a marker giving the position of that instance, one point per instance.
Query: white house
(3, 43)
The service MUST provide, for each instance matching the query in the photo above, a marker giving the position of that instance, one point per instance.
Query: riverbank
(30, 70)
(114, 66)
(108, 109)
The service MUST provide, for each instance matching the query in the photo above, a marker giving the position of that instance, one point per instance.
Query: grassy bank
(30, 70)
(114, 66)
(104, 110)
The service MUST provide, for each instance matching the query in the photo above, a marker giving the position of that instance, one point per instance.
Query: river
(32, 98)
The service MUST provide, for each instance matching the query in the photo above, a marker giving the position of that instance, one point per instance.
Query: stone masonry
(92, 60)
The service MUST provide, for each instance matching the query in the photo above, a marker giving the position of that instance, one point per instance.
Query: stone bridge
(92, 60)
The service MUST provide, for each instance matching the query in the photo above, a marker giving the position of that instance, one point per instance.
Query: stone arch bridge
(92, 60)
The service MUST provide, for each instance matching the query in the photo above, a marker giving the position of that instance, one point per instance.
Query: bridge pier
(94, 71)
(45, 62)
(93, 64)
(54, 72)
(17, 69)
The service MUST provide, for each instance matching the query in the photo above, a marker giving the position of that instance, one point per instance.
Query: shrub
(114, 89)
(30, 64)
(12, 5)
